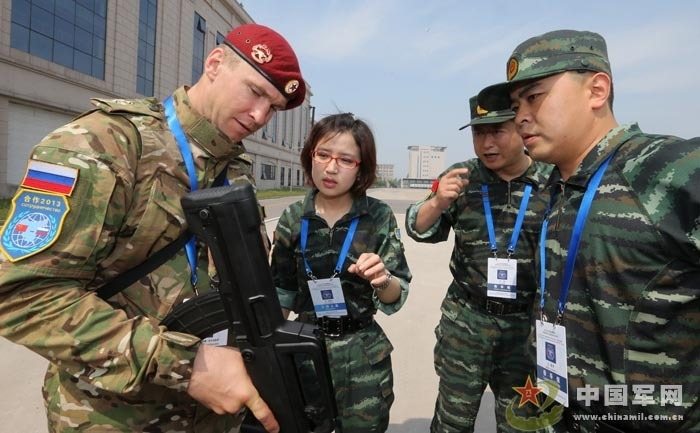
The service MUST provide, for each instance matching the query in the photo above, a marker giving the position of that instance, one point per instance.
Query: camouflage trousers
(363, 380)
(475, 349)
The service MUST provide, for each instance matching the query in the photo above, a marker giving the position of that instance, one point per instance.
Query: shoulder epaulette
(148, 106)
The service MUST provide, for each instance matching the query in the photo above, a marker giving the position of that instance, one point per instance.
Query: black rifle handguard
(228, 221)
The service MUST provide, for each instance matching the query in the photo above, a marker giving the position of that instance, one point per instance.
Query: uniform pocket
(378, 350)
(161, 223)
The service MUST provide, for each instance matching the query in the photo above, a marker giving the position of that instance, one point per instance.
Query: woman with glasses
(337, 259)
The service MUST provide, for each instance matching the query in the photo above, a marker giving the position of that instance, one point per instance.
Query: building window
(298, 178)
(147, 47)
(71, 33)
(219, 38)
(267, 172)
(282, 176)
(270, 130)
(200, 32)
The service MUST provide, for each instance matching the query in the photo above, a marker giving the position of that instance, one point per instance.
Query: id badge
(327, 296)
(552, 376)
(502, 278)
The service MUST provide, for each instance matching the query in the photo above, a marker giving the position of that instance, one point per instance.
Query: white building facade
(425, 162)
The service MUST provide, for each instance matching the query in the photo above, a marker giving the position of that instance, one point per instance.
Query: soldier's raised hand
(450, 187)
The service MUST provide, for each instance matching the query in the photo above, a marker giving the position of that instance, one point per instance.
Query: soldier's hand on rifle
(450, 187)
(220, 382)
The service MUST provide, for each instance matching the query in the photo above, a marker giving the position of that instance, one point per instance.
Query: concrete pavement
(410, 330)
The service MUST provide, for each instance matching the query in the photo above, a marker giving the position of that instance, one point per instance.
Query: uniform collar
(202, 132)
(360, 205)
(533, 175)
(610, 143)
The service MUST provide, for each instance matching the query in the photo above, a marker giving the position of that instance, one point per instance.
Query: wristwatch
(385, 284)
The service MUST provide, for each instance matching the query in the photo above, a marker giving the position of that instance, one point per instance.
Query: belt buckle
(495, 307)
(332, 326)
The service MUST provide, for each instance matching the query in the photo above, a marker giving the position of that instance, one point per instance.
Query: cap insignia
(291, 86)
(512, 68)
(480, 111)
(260, 53)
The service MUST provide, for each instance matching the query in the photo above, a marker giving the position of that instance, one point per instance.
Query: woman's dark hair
(337, 124)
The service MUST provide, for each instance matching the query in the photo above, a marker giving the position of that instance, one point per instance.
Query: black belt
(336, 327)
(576, 426)
(491, 306)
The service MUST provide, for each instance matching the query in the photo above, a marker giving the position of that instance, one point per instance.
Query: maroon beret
(271, 55)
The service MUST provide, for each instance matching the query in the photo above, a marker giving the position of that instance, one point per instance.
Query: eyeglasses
(323, 157)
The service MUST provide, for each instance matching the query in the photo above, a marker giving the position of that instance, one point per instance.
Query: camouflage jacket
(466, 217)
(113, 359)
(376, 232)
(632, 315)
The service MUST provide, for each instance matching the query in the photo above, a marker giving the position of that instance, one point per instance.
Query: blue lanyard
(579, 224)
(518, 221)
(184, 145)
(343, 252)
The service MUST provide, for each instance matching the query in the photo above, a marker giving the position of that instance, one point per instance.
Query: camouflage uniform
(360, 361)
(476, 347)
(632, 313)
(112, 368)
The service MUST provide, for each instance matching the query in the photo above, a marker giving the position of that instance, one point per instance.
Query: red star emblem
(527, 393)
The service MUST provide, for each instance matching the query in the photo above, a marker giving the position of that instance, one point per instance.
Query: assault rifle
(246, 304)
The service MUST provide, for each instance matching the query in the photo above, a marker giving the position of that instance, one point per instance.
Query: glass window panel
(143, 15)
(83, 40)
(46, 4)
(82, 62)
(98, 68)
(140, 86)
(98, 48)
(143, 31)
(219, 38)
(99, 27)
(87, 4)
(141, 67)
(83, 17)
(40, 45)
(150, 52)
(20, 38)
(101, 8)
(63, 54)
(42, 21)
(63, 31)
(149, 69)
(142, 49)
(21, 12)
(152, 14)
(66, 10)
(151, 37)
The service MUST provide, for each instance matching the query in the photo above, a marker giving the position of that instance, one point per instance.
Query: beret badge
(261, 53)
(291, 86)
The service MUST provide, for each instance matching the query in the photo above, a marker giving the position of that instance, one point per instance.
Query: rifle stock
(228, 221)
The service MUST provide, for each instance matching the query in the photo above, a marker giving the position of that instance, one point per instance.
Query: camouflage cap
(552, 53)
(494, 109)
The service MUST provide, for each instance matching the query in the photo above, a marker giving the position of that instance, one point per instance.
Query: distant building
(385, 171)
(425, 162)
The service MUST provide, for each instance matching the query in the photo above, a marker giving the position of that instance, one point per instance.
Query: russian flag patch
(54, 178)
